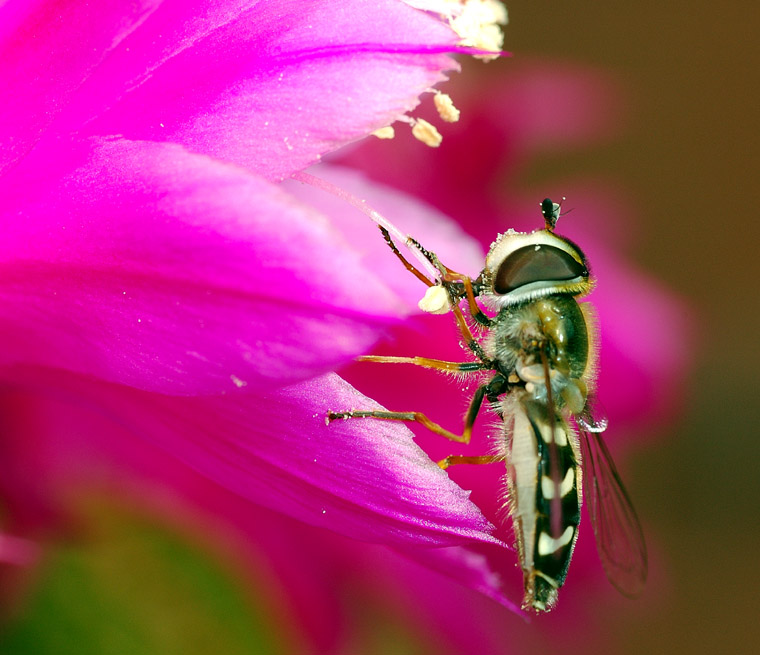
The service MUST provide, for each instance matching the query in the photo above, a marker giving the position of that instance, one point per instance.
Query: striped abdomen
(544, 504)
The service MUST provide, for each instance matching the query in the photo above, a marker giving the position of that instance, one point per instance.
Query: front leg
(426, 362)
(449, 278)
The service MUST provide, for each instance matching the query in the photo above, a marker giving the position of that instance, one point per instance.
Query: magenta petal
(470, 568)
(68, 445)
(47, 49)
(143, 264)
(362, 478)
(272, 86)
(365, 479)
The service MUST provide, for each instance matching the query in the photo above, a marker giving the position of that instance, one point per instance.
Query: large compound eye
(536, 263)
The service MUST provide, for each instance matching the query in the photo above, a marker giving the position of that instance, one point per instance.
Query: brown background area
(688, 157)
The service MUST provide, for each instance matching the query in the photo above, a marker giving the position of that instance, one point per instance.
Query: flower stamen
(445, 107)
(386, 132)
(426, 132)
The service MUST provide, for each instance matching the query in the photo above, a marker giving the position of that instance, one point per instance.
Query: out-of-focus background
(688, 159)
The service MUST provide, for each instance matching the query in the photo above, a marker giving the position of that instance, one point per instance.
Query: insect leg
(425, 362)
(476, 312)
(452, 460)
(491, 391)
(449, 276)
(419, 417)
(469, 340)
(409, 267)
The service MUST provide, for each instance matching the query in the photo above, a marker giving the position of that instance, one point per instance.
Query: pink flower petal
(47, 49)
(468, 567)
(435, 230)
(365, 479)
(143, 264)
(315, 568)
(271, 85)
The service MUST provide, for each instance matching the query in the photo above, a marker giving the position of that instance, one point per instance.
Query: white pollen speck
(536, 248)
(238, 382)
(324, 511)
(139, 320)
(435, 301)
(160, 124)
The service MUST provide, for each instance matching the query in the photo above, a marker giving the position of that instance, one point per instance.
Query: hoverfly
(537, 347)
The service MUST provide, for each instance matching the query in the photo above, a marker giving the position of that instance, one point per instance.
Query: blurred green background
(688, 157)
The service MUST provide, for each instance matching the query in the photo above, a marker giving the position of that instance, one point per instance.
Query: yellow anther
(425, 132)
(445, 107)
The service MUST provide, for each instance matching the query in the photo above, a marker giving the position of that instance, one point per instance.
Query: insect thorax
(554, 327)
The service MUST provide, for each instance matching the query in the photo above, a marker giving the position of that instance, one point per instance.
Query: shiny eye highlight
(536, 263)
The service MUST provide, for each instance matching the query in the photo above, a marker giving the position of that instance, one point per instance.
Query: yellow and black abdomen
(557, 520)
(545, 496)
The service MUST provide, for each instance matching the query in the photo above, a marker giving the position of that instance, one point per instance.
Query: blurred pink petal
(535, 109)
(17, 551)
(442, 235)
(647, 346)
(144, 264)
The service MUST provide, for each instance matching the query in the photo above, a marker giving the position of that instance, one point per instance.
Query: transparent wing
(619, 538)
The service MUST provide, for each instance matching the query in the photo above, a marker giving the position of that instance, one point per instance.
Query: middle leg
(422, 419)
